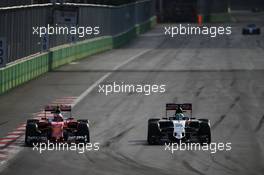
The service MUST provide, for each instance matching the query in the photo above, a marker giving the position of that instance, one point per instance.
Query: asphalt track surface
(222, 77)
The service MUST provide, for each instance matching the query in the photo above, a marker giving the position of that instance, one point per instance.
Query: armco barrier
(28, 69)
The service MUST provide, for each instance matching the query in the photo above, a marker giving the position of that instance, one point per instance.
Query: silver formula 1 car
(179, 125)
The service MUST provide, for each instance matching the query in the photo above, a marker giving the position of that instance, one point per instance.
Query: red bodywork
(57, 130)
(57, 124)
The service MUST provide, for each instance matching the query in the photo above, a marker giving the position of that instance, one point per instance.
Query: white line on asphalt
(13, 136)
(6, 140)
(17, 132)
(21, 129)
(87, 91)
(3, 156)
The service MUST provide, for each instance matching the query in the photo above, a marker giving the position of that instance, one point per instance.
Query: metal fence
(5, 3)
(16, 23)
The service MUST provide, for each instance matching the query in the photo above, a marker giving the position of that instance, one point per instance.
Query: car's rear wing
(175, 106)
(186, 107)
(53, 108)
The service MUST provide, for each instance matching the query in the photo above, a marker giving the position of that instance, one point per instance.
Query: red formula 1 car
(56, 127)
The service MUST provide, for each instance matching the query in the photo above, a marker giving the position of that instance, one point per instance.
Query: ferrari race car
(251, 29)
(54, 126)
(178, 125)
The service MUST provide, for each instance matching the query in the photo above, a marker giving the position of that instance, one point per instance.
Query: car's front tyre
(204, 133)
(153, 131)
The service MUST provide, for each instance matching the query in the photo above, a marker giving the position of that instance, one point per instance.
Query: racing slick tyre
(83, 131)
(258, 31)
(153, 131)
(245, 32)
(203, 120)
(32, 121)
(31, 131)
(204, 133)
(83, 120)
(153, 120)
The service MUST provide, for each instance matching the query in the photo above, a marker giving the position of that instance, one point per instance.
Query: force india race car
(179, 127)
(251, 29)
(56, 127)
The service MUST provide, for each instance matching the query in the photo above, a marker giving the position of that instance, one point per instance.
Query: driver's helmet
(179, 110)
(179, 114)
(58, 117)
(58, 110)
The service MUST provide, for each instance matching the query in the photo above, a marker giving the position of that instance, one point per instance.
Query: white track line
(3, 155)
(87, 91)
(16, 132)
(6, 140)
(21, 129)
(13, 136)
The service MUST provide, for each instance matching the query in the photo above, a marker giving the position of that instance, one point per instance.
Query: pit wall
(25, 70)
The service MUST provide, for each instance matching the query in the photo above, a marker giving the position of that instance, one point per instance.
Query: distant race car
(56, 127)
(179, 127)
(251, 29)
(255, 10)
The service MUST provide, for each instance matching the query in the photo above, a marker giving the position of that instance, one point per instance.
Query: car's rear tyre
(153, 131)
(203, 120)
(83, 130)
(32, 121)
(153, 120)
(204, 133)
(83, 121)
(31, 131)
(245, 32)
(258, 31)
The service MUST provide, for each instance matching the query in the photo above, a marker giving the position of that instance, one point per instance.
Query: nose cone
(179, 134)
(179, 130)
